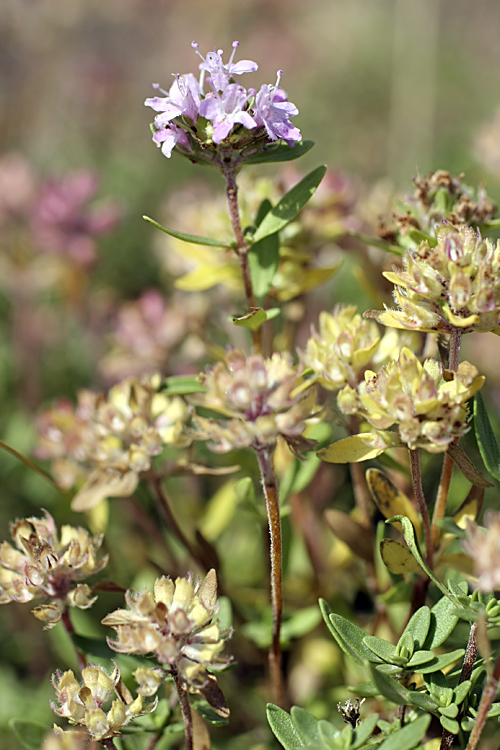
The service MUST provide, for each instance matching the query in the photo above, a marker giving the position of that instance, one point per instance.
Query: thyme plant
(286, 401)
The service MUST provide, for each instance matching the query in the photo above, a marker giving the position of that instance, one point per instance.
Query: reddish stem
(274, 521)
(242, 248)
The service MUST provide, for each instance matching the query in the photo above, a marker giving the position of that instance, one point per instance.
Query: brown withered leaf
(357, 537)
(214, 697)
(463, 462)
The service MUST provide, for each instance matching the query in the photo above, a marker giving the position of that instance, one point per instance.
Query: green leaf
(462, 690)
(450, 725)
(280, 153)
(451, 711)
(494, 710)
(263, 259)
(182, 385)
(395, 692)
(408, 737)
(390, 688)
(348, 635)
(192, 238)
(383, 649)
(485, 437)
(252, 320)
(418, 626)
(363, 731)
(419, 658)
(290, 205)
(439, 688)
(306, 725)
(208, 714)
(330, 737)
(29, 733)
(283, 728)
(376, 242)
(412, 544)
(441, 662)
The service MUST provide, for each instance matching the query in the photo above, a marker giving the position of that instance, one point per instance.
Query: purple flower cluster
(225, 104)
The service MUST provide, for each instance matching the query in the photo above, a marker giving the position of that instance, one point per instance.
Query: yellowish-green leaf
(360, 447)
(357, 537)
(252, 320)
(390, 500)
(219, 511)
(398, 558)
(206, 277)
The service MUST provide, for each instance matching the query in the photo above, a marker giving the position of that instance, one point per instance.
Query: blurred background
(386, 88)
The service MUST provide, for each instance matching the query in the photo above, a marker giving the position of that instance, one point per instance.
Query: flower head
(452, 283)
(261, 398)
(429, 406)
(176, 624)
(345, 346)
(83, 702)
(64, 224)
(198, 121)
(46, 564)
(108, 440)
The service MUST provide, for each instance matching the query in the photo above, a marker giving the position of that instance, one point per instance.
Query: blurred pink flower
(62, 222)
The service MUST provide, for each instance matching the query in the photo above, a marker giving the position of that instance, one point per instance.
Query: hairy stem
(444, 485)
(467, 667)
(487, 699)
(185, 708)
(242, 248)
(416, 476)
(273, 517)
(68, 626)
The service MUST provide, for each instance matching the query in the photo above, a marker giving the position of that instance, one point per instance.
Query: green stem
(270, 487)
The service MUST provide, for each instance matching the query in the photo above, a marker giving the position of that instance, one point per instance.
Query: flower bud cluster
(426, 403)
(176, 624)
(344, 347)
(197, 121)
(452, 284)
(261, 398)
(437, 198)
(46, 564)
(108, 440)
(82, 703)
